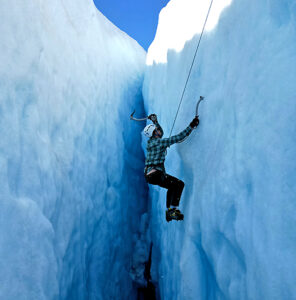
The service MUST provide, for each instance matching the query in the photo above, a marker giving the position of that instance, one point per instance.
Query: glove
(194, 123)
(152, 117)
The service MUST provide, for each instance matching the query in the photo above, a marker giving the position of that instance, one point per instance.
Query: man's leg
(165, 181)
(169, 198)
(175, 188)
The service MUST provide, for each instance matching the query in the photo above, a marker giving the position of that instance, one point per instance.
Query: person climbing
(155, 173)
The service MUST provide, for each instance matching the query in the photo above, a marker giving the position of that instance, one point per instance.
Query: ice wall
(68, 154)
(238, 238)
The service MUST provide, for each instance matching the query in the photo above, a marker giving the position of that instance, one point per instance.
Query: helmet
(148, 130)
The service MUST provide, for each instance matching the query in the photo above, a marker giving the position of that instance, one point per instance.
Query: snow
(238, 237)
(180, 21)
(70, 196)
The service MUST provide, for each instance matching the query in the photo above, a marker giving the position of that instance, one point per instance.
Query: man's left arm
(182, 135)
(153, 118)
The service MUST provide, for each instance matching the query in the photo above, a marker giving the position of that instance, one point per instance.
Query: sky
(138, 18)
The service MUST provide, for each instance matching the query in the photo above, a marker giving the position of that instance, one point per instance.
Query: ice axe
(197, 105)
(136, 119)
(144, 119)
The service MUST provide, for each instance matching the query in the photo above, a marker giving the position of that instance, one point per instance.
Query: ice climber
(154, 165)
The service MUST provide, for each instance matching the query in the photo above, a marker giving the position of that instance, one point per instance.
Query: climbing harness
(194, 57)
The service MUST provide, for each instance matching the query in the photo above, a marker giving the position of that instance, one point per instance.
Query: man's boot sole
(169, 219)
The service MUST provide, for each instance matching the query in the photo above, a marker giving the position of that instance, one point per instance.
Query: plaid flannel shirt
(156, 148)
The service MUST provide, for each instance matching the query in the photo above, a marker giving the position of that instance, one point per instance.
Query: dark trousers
(172, 184)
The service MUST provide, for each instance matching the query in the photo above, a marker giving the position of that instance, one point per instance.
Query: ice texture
(70, 195)
(238, 238)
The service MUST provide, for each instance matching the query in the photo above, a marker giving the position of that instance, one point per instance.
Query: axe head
(132, 114)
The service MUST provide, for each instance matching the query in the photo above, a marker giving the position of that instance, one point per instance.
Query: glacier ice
(68, 153)
(72, 196)
(180, 21)
(238, 237)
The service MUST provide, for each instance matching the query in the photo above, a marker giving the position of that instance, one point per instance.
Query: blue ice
(238, 238)
(74, 218)
(68, 80)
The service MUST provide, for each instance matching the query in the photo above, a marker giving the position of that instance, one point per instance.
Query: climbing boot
(173, 214)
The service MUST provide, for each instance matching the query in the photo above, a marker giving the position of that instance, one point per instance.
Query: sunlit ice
(179, 21)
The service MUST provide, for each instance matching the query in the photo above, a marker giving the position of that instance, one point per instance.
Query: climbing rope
(191, 66)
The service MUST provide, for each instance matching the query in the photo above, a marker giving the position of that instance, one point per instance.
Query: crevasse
(73, 201)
